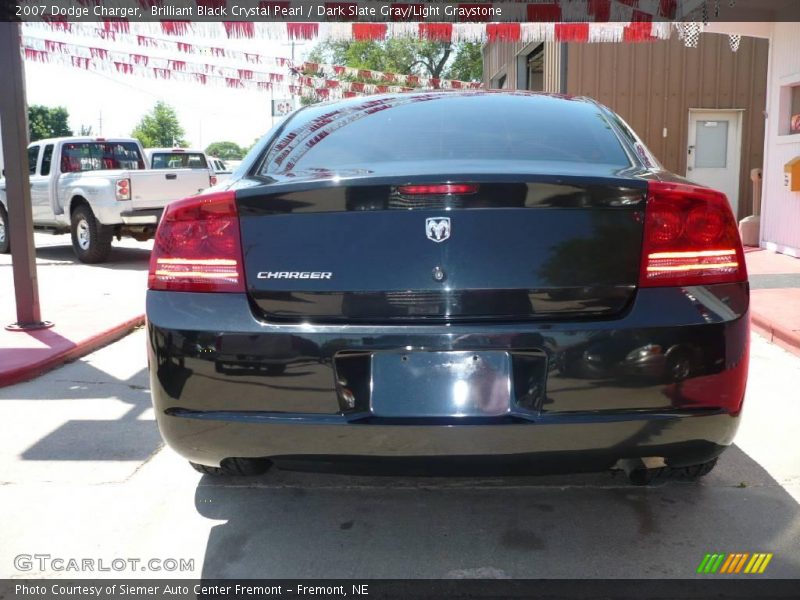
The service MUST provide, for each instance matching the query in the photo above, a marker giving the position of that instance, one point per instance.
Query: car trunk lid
(505, 247)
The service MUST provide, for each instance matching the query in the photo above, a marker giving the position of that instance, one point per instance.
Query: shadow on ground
(290, 524)
(136, 259)
(125, 438)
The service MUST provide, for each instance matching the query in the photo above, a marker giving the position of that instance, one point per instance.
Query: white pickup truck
(97, 189)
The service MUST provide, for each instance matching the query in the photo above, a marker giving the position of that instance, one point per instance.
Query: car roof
(79, 139)
(450, 92)
(174, 150)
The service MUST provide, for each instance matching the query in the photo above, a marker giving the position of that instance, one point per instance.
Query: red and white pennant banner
(512, 21)
(42, 49)
(133, 36)
(634, 31)
(142, 65)
(476, 11)
(388, 79)
(247, 60)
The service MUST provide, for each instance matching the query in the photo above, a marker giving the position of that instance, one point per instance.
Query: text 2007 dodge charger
(473, 276)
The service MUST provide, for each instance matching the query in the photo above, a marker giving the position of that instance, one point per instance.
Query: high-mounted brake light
(197, 246)
(437, 189)
(123, 189)
(690, 238)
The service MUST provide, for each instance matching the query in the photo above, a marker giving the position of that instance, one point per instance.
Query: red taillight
(212, 179)
(123, 189)
(438, 189)
(690, 238)
(197, 246)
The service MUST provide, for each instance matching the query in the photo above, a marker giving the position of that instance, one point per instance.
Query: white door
(40, 187)
(715, 149)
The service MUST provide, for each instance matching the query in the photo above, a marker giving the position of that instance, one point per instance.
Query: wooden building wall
(653, 85)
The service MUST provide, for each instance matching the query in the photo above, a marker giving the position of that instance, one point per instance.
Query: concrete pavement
(91, 305)
(775, 297)
(84, 474)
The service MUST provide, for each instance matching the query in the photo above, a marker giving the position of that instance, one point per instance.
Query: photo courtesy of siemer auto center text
(400, 299)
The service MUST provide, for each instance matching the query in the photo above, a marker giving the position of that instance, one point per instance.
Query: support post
(14, 128)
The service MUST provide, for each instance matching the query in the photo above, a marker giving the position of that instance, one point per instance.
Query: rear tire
(5, 245)
(91, 240)
(235, 467)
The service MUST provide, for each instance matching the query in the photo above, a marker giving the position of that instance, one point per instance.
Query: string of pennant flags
(304, 76)
(547, 21)
(322, 81)
(307, 78)
(299, 16)
(247, 59)
(530, 31)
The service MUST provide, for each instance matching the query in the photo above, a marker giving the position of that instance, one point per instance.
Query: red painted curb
(785, 338)
(82, 348)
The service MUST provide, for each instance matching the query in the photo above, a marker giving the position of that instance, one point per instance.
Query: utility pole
(100, 124)
(292, 43)
(14, 118)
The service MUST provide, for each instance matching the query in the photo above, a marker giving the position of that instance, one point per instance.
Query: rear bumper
(149, 216)
(594, 443)
(226, 384)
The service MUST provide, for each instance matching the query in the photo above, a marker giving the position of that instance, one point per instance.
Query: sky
(207, 113)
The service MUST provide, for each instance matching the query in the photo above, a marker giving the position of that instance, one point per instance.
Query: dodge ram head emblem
(437, 228)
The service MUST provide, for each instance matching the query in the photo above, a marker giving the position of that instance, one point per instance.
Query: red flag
(436, 32)
(302, 31)
(369, 31)
(502, 32)
(240, 29)
(572, 32)
(600, 10)
(544, 12)
(176, 27)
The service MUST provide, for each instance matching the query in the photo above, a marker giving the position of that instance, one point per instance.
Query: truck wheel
(4, 243)
(91, 240)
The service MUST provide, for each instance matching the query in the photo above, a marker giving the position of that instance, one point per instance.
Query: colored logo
(734, 563)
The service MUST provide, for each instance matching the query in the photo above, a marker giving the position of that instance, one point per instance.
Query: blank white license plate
(441, 384)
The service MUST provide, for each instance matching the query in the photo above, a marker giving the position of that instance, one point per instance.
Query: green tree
(440, 60)
(406, 56)
(160, 128)
(46, 122)
(468, 63)
(225, 150)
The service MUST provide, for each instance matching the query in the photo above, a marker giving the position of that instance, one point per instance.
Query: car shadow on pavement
(136, 259)
(125, 438)
(301, 525)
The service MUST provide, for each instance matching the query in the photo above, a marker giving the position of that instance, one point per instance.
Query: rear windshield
(99, 156)
(445, 126)
(179, 160)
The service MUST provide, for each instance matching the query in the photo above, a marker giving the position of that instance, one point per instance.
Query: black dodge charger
(482, 276)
